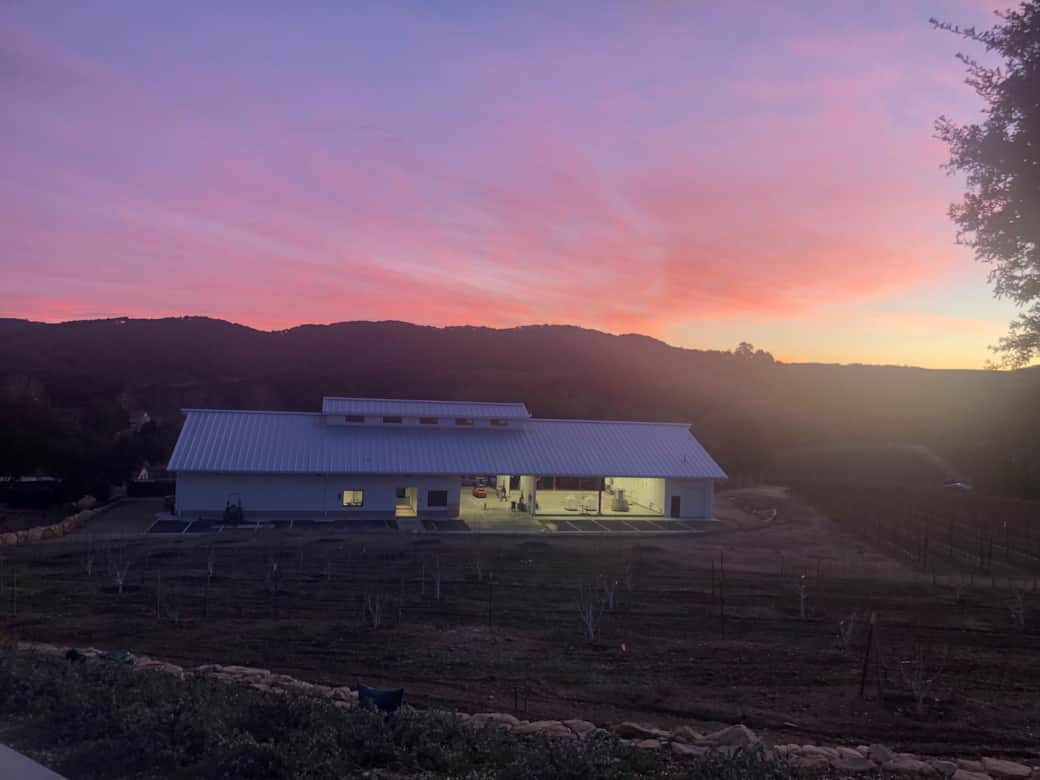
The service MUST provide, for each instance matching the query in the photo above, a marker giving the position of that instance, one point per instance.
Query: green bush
(100, 720)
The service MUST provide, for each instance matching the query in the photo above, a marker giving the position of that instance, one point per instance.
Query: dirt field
(706, 628)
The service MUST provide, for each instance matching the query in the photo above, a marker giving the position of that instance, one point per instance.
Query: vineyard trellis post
(491, 601)
(872, 653)
(722, 592)
(211, 567)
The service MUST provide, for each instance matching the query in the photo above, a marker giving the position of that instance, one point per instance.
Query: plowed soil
(706, 628)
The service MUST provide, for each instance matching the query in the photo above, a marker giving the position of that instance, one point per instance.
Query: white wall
(696, 498)
(452, 484)
(648, 492)
(209, 493)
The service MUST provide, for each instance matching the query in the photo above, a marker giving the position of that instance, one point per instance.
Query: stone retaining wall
(69, 525)
(53, 531)
(682, 742)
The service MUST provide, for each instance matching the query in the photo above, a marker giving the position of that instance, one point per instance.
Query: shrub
(102, 720)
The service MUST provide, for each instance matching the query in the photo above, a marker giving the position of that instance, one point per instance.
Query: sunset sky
(698, 171)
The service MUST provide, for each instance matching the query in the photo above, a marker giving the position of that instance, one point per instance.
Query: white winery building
(369, 458)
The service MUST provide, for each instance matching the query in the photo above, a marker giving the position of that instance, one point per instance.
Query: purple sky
(698, 172)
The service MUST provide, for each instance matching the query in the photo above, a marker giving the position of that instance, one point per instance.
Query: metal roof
(295, 442)
(408, 408)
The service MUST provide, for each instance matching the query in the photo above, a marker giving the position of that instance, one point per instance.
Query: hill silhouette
(68, 389)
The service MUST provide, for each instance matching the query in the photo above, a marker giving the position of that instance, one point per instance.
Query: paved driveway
(129, 516)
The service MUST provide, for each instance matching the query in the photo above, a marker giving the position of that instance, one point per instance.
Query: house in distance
(403, 461)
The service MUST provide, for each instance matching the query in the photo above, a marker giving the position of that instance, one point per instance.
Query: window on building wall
(499, 423)
(436, 498)
(463, 421)
(354, 418)
(353, 498)
(428, 421)
(391, 419)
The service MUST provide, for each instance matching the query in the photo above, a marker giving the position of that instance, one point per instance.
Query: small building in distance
(372, 458)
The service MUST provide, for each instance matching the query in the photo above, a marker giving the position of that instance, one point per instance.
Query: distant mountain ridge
(745, 410)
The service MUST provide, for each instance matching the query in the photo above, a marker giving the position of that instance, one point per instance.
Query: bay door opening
(406, 504)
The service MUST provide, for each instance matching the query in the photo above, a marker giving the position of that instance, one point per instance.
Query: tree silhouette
(744, 350)
(999, 216)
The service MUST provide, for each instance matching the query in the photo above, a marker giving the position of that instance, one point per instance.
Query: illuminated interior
(625, 496)
(506, 495)
(407, 502)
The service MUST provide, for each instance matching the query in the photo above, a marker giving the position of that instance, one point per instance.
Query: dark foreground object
(15, 766)
(388, 701)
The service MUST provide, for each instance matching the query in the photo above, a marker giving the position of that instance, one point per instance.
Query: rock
(161, 666)
(847, 752)
(41, 647)
(971, 766)
(550, 728)
(1001, 768)
(579, 727)
(687, 734)
(682, 749)
(880, 754)
(637, 731)
(9, 538)
(853, 764)
(736, 736)
(817, 750)
(945, 768)
(499, 719)
(649, 744)
(965, 774)
(787, 750)
(344, 693)
(808, 762)
(247, 671)
(268, 689)
(909, 766)
(324, 691)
